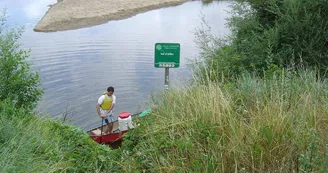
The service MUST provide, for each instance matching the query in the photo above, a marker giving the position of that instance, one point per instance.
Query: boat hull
(113, 139)
(109, 138)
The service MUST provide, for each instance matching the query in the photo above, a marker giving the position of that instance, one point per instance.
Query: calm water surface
(77, 66)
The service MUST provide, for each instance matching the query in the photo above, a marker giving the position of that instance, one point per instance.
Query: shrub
(18, 82)
(270, 35)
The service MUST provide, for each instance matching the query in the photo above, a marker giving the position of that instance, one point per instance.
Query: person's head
(110, 91)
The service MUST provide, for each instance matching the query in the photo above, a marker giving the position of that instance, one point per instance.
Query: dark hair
(110, 89)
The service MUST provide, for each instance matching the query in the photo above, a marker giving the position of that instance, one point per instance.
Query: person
(105, 107)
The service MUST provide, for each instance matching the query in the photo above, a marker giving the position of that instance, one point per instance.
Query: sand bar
(74, 14)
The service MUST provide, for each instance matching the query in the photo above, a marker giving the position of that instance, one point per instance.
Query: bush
(288, 31)
(273, 34)
(18, 83)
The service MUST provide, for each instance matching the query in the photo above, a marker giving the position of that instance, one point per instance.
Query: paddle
(102, 126)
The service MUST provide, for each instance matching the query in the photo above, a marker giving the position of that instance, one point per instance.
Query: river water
(77, 66)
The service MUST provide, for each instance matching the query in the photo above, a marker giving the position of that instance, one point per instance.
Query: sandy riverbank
(74, 14)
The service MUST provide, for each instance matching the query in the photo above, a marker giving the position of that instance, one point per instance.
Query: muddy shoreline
(75, 14)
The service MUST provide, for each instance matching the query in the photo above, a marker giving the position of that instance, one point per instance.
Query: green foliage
(288, 31)
(18, 82)
(276, 123)
(32, 144)
(310, 158)
(272, 33)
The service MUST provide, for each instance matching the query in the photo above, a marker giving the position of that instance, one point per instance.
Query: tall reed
(273, 124)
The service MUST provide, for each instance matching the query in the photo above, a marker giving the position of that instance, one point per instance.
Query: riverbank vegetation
(258, 103)
(268, 35)
(33, 144)
(18, 83)
(272, 124)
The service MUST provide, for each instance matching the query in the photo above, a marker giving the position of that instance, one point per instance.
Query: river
(77, 66)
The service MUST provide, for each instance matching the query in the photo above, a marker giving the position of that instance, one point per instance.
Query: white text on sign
(167, 54)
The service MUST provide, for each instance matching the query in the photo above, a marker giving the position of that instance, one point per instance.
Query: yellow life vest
(107, 103)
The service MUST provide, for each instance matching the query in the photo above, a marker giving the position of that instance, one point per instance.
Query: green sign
(167, 55)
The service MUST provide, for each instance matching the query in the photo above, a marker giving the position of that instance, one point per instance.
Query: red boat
(113, 139)
(120, 127)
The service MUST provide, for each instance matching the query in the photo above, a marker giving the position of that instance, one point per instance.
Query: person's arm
(113, 104)
(111, 108)
(98, 109)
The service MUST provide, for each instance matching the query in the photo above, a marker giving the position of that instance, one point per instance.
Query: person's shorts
(109, 118)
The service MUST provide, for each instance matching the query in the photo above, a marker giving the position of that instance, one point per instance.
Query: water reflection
(77, 66)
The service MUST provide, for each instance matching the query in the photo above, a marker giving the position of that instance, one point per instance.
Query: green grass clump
(272, 124)
(32, 144)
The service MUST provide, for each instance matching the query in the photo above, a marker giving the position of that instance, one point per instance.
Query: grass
(31, 144)
(275, 124)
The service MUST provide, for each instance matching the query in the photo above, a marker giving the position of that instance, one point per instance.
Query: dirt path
(74, 14)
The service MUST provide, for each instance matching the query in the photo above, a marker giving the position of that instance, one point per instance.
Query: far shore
(75, 14)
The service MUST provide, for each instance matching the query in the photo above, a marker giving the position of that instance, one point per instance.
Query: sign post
(167, 78)
(167, 55)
